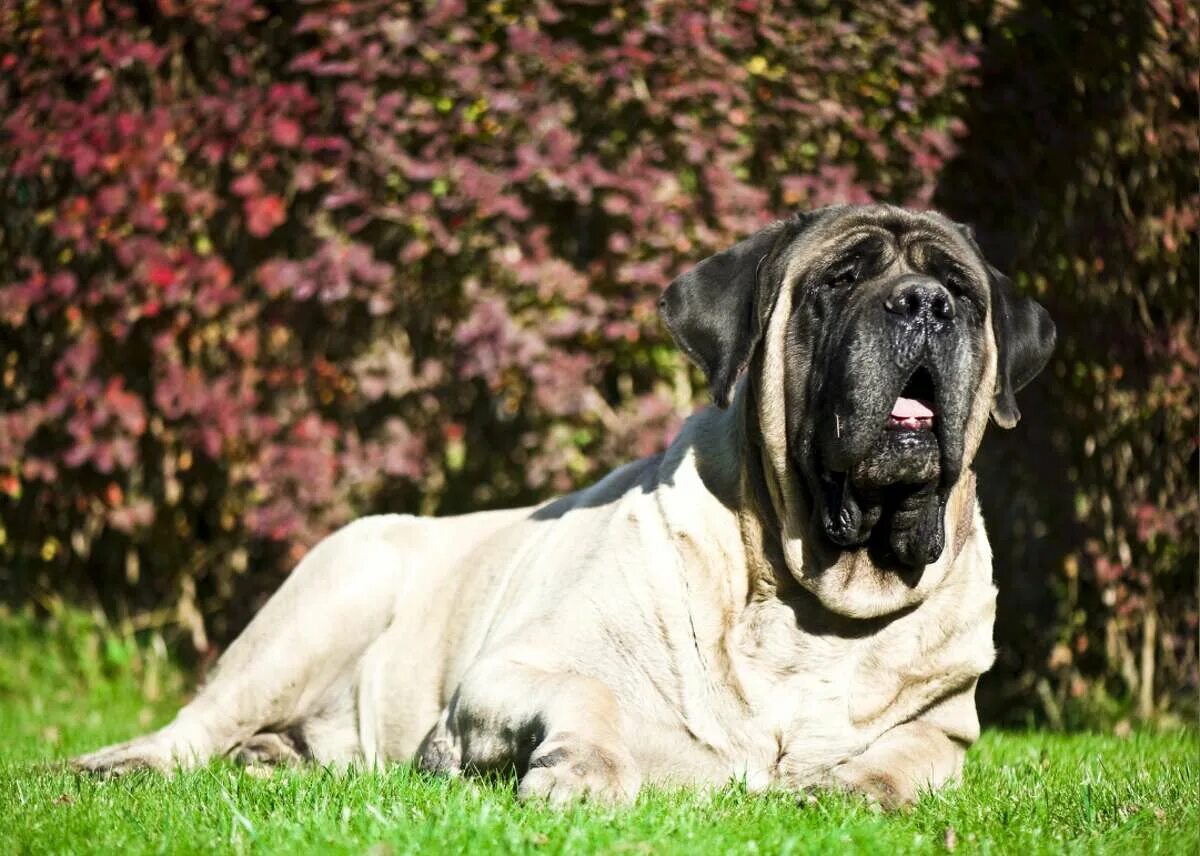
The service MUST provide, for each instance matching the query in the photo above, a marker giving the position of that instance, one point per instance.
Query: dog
(796, 594)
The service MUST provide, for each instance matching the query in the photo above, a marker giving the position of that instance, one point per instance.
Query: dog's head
(879, 340)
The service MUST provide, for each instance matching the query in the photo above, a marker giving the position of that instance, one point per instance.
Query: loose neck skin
(783, 557)
(784, 552)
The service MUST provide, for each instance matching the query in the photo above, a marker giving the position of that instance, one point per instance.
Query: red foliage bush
(265, 267)
(273, 267)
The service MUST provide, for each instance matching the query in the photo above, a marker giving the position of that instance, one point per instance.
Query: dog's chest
(794, 704)
(793, 720)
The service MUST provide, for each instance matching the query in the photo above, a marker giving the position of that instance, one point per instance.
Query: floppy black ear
(1024, 341)
(716, 311)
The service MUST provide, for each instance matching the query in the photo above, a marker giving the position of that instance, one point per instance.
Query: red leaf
(113, 494)
(247, 184)
(285, 132)
(264, 214)
(161, 275)
(10, 485)
(111, 199)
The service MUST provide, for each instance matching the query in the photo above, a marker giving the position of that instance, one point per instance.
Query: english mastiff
(797, 593)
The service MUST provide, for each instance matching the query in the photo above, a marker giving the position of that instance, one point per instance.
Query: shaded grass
(70, 687)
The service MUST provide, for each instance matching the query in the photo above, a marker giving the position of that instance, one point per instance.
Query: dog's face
(896, 340)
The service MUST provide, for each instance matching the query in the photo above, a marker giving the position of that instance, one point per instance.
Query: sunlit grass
(73, 689)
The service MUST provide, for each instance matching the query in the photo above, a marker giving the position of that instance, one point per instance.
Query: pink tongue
(910, 408)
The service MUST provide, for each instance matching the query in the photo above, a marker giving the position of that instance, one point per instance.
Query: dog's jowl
(797, 592)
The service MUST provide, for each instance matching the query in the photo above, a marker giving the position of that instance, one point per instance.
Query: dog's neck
(847, 583)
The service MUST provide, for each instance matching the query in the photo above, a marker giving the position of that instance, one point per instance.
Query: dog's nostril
(943, 307)
(906, 302)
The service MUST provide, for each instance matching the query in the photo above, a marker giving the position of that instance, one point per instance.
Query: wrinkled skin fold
(796, 593)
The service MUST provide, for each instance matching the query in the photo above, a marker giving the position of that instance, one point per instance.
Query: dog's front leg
(922, 754)
(560, 729)
(899, 766)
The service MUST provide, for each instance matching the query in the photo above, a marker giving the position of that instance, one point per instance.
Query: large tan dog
(797, 592)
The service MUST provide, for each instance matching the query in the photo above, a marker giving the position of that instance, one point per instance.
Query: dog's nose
(915, 296)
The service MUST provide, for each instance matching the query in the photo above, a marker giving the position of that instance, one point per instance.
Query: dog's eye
(966, 296)
(843, 276)
(955, 281)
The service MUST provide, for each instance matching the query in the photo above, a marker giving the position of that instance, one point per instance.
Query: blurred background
(266, 267)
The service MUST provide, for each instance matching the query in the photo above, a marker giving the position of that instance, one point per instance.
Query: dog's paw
(563, 769)
(267, 748)
(440, 753)
(151, 752)
(889, 790)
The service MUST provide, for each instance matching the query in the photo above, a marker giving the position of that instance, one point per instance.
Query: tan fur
(643, 629)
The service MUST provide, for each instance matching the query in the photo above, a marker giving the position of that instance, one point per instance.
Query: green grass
(68, 686)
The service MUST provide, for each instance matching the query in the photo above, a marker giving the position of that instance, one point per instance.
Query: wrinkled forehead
(839, 230)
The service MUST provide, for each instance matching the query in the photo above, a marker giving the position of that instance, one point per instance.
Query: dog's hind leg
(297, 659)
(561, 730)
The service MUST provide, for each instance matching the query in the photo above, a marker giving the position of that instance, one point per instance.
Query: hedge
(265, 267)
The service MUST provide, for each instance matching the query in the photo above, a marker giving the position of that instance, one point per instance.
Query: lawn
(68, 686)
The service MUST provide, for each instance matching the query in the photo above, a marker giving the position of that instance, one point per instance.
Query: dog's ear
(716, 311)
(1025, 338)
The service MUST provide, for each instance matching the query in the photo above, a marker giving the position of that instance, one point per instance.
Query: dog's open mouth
(914, 410)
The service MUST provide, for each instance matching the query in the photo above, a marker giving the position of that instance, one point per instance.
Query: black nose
(914, 296)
